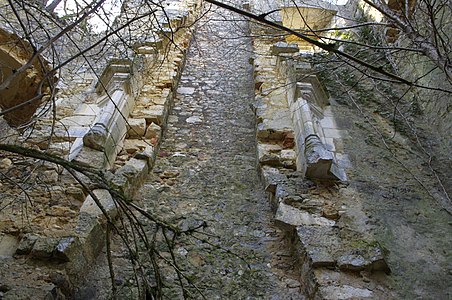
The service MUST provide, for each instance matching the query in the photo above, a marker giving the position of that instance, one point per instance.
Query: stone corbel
(315, 159)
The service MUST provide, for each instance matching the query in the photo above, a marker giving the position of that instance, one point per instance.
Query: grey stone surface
(345, 292)
(26, 244)
(91, 208)
(282, 47)
(290, 215)
(8, 245)
(44, 248)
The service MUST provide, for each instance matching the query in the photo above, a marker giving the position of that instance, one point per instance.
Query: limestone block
(328, 122)
(329, 144)
(78, 121)
(130, 176)
(272, 177)
(282, 47)
(288, 154)
(318, 158)
(90, 207)
(91, 157)
(154, 113)
(134, 145)
(71, 133)
(60, 211)
(333, 133)
(26, 244)
(148, 154)
(60, 149)
(91, 235)
(153, 131)
(67, 249)
(362, 255)
(320, 244)
(43, 248)
(76, 193)
(87, 110)
(343, 161)
(159, 100)
(76, 147)
(96, 138)
(293, 216)
(50, 176)
(274, 129)
(268, 154)
(8, 245)
(136, 127)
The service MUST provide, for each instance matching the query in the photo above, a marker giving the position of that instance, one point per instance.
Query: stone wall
(303, 166)
(112, 124)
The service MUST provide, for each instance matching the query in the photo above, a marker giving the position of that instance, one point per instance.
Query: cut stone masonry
(305, 177)
(117, 128)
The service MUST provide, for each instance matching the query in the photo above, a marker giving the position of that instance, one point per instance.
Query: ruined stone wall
(107, 116)
(303, 166)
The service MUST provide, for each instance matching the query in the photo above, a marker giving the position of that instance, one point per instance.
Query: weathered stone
(320, 244)
(275, 129)
(91, 234)
(366, 256)
(5, 163)
(282, 47)
(96, 138)
(76, 193)
(186, 90)
(59, 149)
(321, 257)
(318, 158)
(155, 114)
(148, 154)
(153, 131)
(26, 244)
(50, 176)
(66, 247)
(78, 121)
(292, 216)
(87, 110)
(91, 157)
(60, 211)
(131, 145)
(91, 208)
(352, 262)
(137, 127)
(44, 247)
(330, 213)
(8, 245)
(272, 177)
(194, 120)
(130, 175)
(345, 292)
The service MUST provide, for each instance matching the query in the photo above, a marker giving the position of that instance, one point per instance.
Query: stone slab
(106, 200)
(293, 216)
